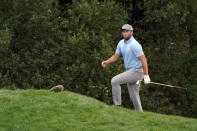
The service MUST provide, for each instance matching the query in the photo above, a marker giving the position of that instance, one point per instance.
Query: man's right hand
(113, 58)
(104, 64)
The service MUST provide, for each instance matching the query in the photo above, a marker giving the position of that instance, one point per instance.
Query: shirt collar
(128, 40)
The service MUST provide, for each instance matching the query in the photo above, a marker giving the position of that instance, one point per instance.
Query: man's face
(127, 34)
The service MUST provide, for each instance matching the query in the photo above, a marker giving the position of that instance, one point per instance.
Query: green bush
(46, 47)
(168, 37)
(32, 48)
(93, 33)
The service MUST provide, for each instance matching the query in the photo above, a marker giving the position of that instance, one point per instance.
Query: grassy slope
(43, 110)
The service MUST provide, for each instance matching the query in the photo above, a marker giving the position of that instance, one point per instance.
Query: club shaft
(161, 84)
(168, 85)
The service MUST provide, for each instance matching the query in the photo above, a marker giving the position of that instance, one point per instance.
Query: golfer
(136, 68)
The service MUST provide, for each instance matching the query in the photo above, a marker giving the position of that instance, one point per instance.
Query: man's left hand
(146, 79)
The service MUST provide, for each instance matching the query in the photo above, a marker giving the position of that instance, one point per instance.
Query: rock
(57, 88)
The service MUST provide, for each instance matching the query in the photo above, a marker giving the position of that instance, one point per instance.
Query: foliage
(49, 45)
(169, 40)
(34, 41)
(93, 29)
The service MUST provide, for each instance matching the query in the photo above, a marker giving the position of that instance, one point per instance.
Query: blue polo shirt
(130, 50)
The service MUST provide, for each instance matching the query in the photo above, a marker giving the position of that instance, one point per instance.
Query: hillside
(43, 110)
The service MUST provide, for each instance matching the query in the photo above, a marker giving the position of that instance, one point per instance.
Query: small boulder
(57, 88)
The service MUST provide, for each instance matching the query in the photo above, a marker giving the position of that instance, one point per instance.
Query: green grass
(43, 110)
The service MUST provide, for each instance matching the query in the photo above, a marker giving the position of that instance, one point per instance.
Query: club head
(179, 87)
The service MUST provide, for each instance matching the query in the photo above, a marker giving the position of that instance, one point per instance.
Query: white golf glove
(146, 79)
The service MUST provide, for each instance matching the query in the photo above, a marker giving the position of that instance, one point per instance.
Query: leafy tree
(93, 33)
(33, 44)
(47, 46)
(169, 44)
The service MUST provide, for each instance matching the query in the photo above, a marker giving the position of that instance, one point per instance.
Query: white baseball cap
(127, 27)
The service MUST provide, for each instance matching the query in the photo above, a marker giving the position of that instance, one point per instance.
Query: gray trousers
(129, 77)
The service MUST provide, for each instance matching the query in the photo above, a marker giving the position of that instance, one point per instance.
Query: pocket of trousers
(140, 72)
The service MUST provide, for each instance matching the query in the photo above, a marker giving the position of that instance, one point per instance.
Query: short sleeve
(138, 50)
(118, 51)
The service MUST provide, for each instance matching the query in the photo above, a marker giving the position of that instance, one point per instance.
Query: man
(136, 68)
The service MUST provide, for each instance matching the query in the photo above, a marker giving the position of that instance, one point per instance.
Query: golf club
(178, 87)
